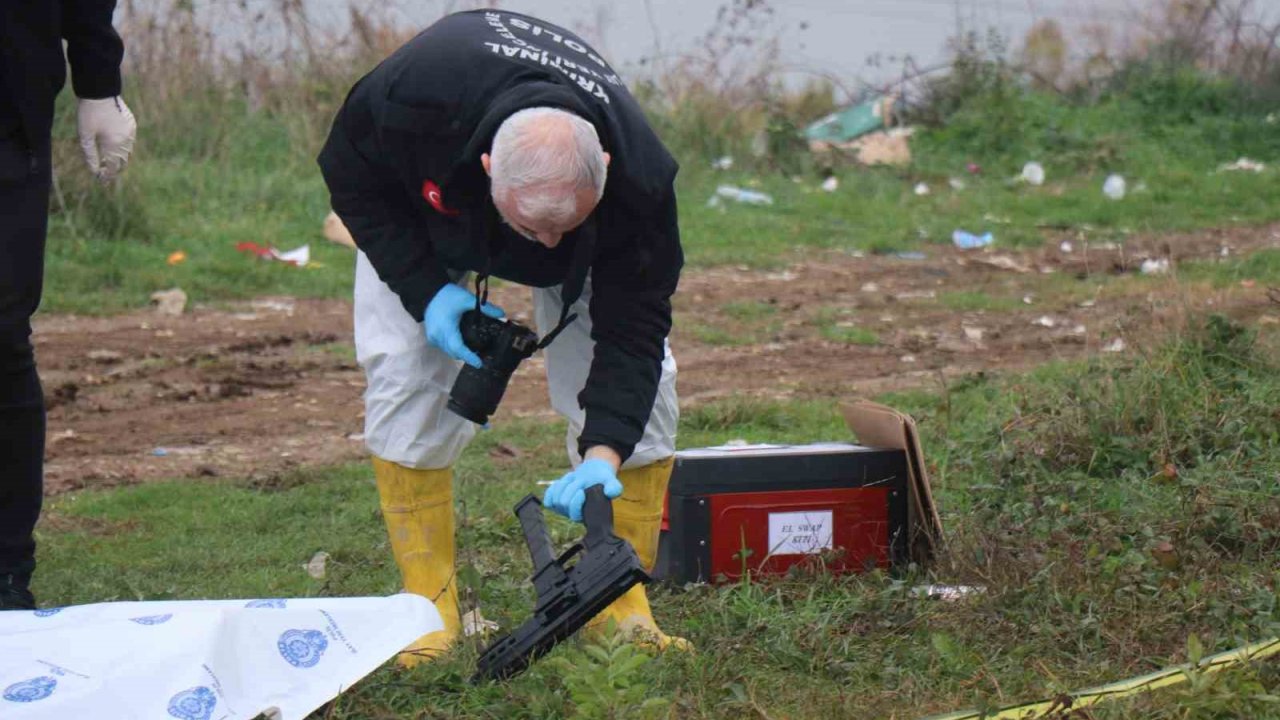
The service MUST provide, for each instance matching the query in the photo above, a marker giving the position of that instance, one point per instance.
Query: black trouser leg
(24, 206)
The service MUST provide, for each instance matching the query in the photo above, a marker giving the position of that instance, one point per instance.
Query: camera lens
(476, 393)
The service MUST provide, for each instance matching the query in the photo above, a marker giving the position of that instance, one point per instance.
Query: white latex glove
(107, 130)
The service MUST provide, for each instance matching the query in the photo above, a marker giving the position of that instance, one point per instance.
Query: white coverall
(406, 418)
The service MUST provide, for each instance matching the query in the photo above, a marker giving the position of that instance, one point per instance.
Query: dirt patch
(52, 521)
(264, 389)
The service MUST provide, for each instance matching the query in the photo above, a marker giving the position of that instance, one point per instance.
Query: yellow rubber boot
(637, 518)
(417, 506)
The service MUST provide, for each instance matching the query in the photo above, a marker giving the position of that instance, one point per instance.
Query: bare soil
(264, 388)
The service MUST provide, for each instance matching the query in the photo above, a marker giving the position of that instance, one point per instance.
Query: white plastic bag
(1033, 174)
(1114, 187)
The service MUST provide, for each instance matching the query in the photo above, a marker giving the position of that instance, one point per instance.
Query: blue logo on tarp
(302, 648)
(194, 704)
(265, 604)
(48, 612)
(153, 619)
(37, 688)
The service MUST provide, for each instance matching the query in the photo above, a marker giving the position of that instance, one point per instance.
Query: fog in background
(848, 40)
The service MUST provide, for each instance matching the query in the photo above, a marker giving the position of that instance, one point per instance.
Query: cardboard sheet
(878, 425)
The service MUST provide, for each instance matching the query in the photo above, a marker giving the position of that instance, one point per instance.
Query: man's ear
(484, 160)
(607, 158)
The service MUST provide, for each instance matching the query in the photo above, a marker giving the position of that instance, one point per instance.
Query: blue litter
(969, 241)
(159, 452)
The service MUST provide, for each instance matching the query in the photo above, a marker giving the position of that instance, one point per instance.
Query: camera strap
(576, 279)
(570, 290)
(566, 319)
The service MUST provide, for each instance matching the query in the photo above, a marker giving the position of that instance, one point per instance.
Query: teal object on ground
(848, 124)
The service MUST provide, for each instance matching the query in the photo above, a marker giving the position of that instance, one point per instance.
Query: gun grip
(597, 515)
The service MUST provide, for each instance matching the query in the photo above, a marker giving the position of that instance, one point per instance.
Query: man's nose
(549, 239)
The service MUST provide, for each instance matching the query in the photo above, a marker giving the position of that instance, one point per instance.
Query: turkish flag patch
(431, 193)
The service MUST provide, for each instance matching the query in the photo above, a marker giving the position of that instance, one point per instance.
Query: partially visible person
(33, 69)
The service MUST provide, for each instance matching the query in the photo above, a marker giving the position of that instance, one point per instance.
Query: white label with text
(800, 533)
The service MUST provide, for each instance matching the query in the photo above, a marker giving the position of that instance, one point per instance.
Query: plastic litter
(1155, 266)
(737, 194)
(1114, 187)
(1066, 247)
(1004, 262)
(921, 189)
(1033, 174)
(473, 623)
(851, 122)
(315, 567)
(968, 241)
(949, 593)
(298, 257)
(1045, 321)
(722, 163)
(105, 357)
(831, 184)
(176, 258)
(1115, 346)
(169, 302)
(973, 168)
(1244, 164)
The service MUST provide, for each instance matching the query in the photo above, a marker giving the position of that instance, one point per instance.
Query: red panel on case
(860, 539)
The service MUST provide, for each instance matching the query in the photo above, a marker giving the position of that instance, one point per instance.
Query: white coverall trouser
(406, 418)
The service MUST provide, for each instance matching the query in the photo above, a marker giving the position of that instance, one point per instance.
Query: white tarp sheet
(199, 660)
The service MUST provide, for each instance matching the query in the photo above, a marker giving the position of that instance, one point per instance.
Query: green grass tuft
(1110, 509)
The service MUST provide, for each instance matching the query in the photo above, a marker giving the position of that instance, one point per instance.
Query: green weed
(1098, 559)
(832, 327)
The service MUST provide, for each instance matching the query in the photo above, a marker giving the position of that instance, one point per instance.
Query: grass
(971, 301)
(832, 327)
(249, 176)
(724, 336)
(1262, 267)
(749, 310)
(1117, 511)
(743, 323)
(1112, 510)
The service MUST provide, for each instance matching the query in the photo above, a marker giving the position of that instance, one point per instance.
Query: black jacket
(33, 68)
(418, 124)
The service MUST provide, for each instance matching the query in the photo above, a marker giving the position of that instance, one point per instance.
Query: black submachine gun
(568, 595)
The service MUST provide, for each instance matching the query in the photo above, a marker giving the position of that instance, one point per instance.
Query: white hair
(539, 153)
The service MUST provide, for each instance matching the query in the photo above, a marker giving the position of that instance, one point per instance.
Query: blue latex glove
(568, 494)
(442, 319)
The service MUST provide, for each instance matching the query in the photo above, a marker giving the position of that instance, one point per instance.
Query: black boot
(14, 593)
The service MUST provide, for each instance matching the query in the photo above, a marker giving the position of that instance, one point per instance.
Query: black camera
(502, 345)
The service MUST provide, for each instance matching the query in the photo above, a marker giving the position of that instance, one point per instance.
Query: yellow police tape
(1133, 686)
